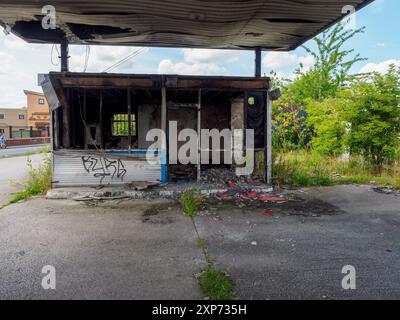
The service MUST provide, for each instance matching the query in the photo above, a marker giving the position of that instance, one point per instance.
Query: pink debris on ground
(267, 213)
(251, 195)
(232, 184)
(218, 218)
(223, 195)
(272, 199)
(237, 198)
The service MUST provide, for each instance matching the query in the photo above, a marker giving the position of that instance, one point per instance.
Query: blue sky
(21, 62)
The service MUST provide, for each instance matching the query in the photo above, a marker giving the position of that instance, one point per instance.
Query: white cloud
(22, 62)
(166, 66)
(199, 62)
(283, 60)
(381, 67)
(209, 56)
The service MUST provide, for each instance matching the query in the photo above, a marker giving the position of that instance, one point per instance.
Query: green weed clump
(215, 284)
(38, 181)
(190, 202)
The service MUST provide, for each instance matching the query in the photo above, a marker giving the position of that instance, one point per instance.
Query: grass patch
(190, 202)
(216, 285)
(37, 183)
(306, 169)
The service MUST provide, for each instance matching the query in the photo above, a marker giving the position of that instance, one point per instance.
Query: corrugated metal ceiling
(220, 24)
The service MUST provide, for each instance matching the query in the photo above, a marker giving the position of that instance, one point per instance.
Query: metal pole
(257, 63)
(64, 55)
(198, 138)
(129, 120)
(101, 120)
(164, 166)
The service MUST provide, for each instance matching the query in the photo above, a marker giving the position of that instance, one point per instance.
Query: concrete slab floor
(149, 250)
(299, 251)
(130, 250)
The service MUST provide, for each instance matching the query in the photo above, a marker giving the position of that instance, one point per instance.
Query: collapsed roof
(218, 24)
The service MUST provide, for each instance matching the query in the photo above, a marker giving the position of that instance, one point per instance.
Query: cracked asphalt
(149, 250)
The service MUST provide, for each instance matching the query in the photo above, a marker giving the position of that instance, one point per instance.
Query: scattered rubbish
(384, 190)
(142, 185)
(272, 199)
(218, 218)
(223, 177)
(267, 213)
(223, 195)
(99, 198)
(232, 184)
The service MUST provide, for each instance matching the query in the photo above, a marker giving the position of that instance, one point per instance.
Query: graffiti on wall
(102, 167)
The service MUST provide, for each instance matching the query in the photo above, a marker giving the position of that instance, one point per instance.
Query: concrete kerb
(114, 193)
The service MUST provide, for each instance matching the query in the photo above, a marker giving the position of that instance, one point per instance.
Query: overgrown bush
(373, 114)
(329, 126)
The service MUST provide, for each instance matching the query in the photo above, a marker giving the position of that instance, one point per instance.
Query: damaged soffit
(218, 24)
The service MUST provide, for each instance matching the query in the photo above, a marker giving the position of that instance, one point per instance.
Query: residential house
(38, 111)
(12, 119)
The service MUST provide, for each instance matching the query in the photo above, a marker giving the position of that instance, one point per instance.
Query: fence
(14, 132)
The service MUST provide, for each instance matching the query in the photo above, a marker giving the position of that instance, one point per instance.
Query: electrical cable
(122, 61)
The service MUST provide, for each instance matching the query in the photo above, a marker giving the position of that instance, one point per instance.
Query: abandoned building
(100, 121)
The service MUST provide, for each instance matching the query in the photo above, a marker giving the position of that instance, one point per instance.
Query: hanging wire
(87, 56)
(52, 51)
(122, 61)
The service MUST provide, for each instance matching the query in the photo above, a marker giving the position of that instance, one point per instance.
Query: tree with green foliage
(329, 125)
(331, 71)
(373, 113)
(326, 78)
(290, 130)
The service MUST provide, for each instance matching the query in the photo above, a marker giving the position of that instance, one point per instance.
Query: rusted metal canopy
(219, 24)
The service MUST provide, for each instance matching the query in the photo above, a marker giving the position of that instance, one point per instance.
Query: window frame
(41, 101)
(21, 117)
(126, 122)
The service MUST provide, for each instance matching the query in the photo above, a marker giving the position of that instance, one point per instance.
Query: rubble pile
(223, 177)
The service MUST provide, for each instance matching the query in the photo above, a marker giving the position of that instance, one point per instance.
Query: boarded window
(120, 125)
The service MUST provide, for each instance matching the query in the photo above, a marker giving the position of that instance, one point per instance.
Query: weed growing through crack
(213, 282)
(216, 284)
(190, 202)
